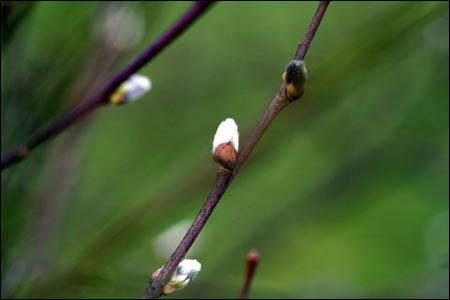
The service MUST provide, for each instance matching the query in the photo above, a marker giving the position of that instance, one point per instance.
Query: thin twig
(313, 26)
(101, 96)
(253, 258)
(225, 177)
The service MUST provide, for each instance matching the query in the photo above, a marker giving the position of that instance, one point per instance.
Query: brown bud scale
(225, 155)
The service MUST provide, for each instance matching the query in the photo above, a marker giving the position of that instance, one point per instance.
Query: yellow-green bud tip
(131, 90)
(295, 77)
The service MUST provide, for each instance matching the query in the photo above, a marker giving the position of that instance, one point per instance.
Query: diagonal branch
(315, 22)
(225, 177)
(100, 98)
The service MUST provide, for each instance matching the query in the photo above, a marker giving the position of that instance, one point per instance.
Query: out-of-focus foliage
(345, 196)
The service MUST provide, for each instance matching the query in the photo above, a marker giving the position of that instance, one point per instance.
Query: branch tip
(253, 258)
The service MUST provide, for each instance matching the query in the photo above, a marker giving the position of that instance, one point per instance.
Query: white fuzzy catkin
(136, 86)
(185, 272)
(226, 132)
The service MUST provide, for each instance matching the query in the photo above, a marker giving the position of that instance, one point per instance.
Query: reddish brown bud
(225, 155)
(253, 256)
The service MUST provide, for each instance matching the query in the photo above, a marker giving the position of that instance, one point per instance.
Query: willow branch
(225, 177)
(252, 262)
(101, 97)
(313, 26)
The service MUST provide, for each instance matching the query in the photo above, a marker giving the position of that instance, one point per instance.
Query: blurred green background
(346, 195)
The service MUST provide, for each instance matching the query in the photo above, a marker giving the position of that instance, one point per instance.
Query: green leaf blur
(346, 195)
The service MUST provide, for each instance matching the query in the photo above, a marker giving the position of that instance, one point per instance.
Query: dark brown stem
(252, 262)
(224, 178)
(101, 97)
(313, 26)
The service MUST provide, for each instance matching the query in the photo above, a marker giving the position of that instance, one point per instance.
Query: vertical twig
(225, 177)
(101, 96)
(253, 258)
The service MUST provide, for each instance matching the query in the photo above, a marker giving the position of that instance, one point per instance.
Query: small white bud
(136, 86)
(186, 271)
(226, 144)
(227, 132)
(132, 89)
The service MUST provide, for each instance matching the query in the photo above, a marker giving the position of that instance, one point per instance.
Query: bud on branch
(226, 144)
(131, 90)
(186, 271)
(295, 77)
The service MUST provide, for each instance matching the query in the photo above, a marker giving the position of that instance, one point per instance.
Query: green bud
(295, 77)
